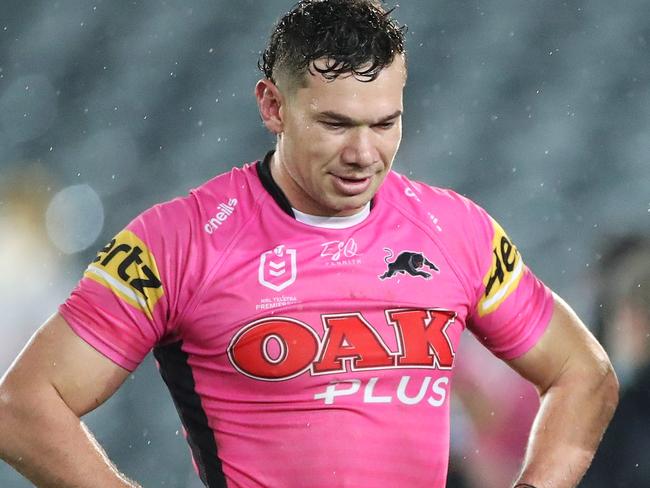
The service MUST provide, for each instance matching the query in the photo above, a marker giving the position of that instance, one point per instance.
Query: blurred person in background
(491, 442)
(623, 459)
(306, 310)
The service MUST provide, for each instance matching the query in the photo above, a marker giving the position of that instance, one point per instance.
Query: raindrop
(28, 108)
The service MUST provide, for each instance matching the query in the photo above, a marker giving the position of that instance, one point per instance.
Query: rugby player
(306, 309)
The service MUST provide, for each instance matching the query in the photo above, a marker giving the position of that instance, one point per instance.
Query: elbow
(595, 381)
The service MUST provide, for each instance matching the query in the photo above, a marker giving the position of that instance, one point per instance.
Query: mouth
(351, 186)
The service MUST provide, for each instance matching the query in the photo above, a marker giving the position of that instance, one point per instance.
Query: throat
(333, 222)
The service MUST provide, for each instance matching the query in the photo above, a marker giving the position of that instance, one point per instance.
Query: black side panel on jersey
(177, 373)
(269, 184)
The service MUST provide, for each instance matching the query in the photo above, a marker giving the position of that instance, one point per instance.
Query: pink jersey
(308, 356)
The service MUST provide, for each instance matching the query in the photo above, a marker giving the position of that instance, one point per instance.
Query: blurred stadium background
(539, 111)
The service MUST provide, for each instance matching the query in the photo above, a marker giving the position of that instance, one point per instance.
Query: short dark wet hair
(353, 37)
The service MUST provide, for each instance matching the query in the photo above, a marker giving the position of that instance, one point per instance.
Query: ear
(269, 101)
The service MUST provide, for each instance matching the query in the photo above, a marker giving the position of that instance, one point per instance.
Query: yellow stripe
(504, 275)
(127, 267)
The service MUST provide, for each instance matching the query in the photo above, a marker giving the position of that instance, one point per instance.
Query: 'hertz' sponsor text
(127, 268)
(505, 273)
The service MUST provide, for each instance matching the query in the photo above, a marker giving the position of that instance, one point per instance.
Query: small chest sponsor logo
(278, 269)
(278, 301)
(341, 252)
(408, 262)
(225, 211)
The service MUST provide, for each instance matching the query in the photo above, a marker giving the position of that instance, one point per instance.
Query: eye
(334, 125)
(385, 125)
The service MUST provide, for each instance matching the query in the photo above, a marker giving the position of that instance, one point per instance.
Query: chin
(352, 206)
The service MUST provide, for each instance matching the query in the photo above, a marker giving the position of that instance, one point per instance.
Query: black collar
(264, 173)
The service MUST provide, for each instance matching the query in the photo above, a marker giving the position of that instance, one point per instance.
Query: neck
(287, 184)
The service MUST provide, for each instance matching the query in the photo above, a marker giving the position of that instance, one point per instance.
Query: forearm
(47, 443)
(573, 415)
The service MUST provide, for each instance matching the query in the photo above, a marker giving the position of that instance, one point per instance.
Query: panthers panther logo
(408, 262)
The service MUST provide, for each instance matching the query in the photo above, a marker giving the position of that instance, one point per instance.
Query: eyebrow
(347, 120)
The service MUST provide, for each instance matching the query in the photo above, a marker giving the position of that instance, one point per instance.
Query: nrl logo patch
(278, 268)
(408, 262)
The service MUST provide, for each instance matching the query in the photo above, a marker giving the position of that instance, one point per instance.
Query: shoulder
(173, 245)
(459, 227)
(218, 205)
(442, 207)
(183, 236)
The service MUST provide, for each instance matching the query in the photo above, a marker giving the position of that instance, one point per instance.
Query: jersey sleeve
(132, 292)
(511, 306)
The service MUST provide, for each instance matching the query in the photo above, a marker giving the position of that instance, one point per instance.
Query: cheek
(395, 141)
(389, 144)
(322, 145)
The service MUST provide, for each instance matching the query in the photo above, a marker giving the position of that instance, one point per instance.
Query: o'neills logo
(225, 211)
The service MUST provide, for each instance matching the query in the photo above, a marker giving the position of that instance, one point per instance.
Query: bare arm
(579, 393)
(56, 379)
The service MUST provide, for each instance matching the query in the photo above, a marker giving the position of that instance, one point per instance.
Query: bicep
(566, 348)
(57, 359)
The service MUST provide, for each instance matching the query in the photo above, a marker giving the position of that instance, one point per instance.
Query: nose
(361, 147)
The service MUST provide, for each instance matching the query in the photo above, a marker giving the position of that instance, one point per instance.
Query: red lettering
(250, 351)
(280, 348)
(423, 337)
(349, 336)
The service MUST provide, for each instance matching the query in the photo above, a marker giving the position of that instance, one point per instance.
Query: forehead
(354, 97)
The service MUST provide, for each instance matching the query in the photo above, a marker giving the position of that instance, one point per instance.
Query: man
(623, 458)
(305, 310)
